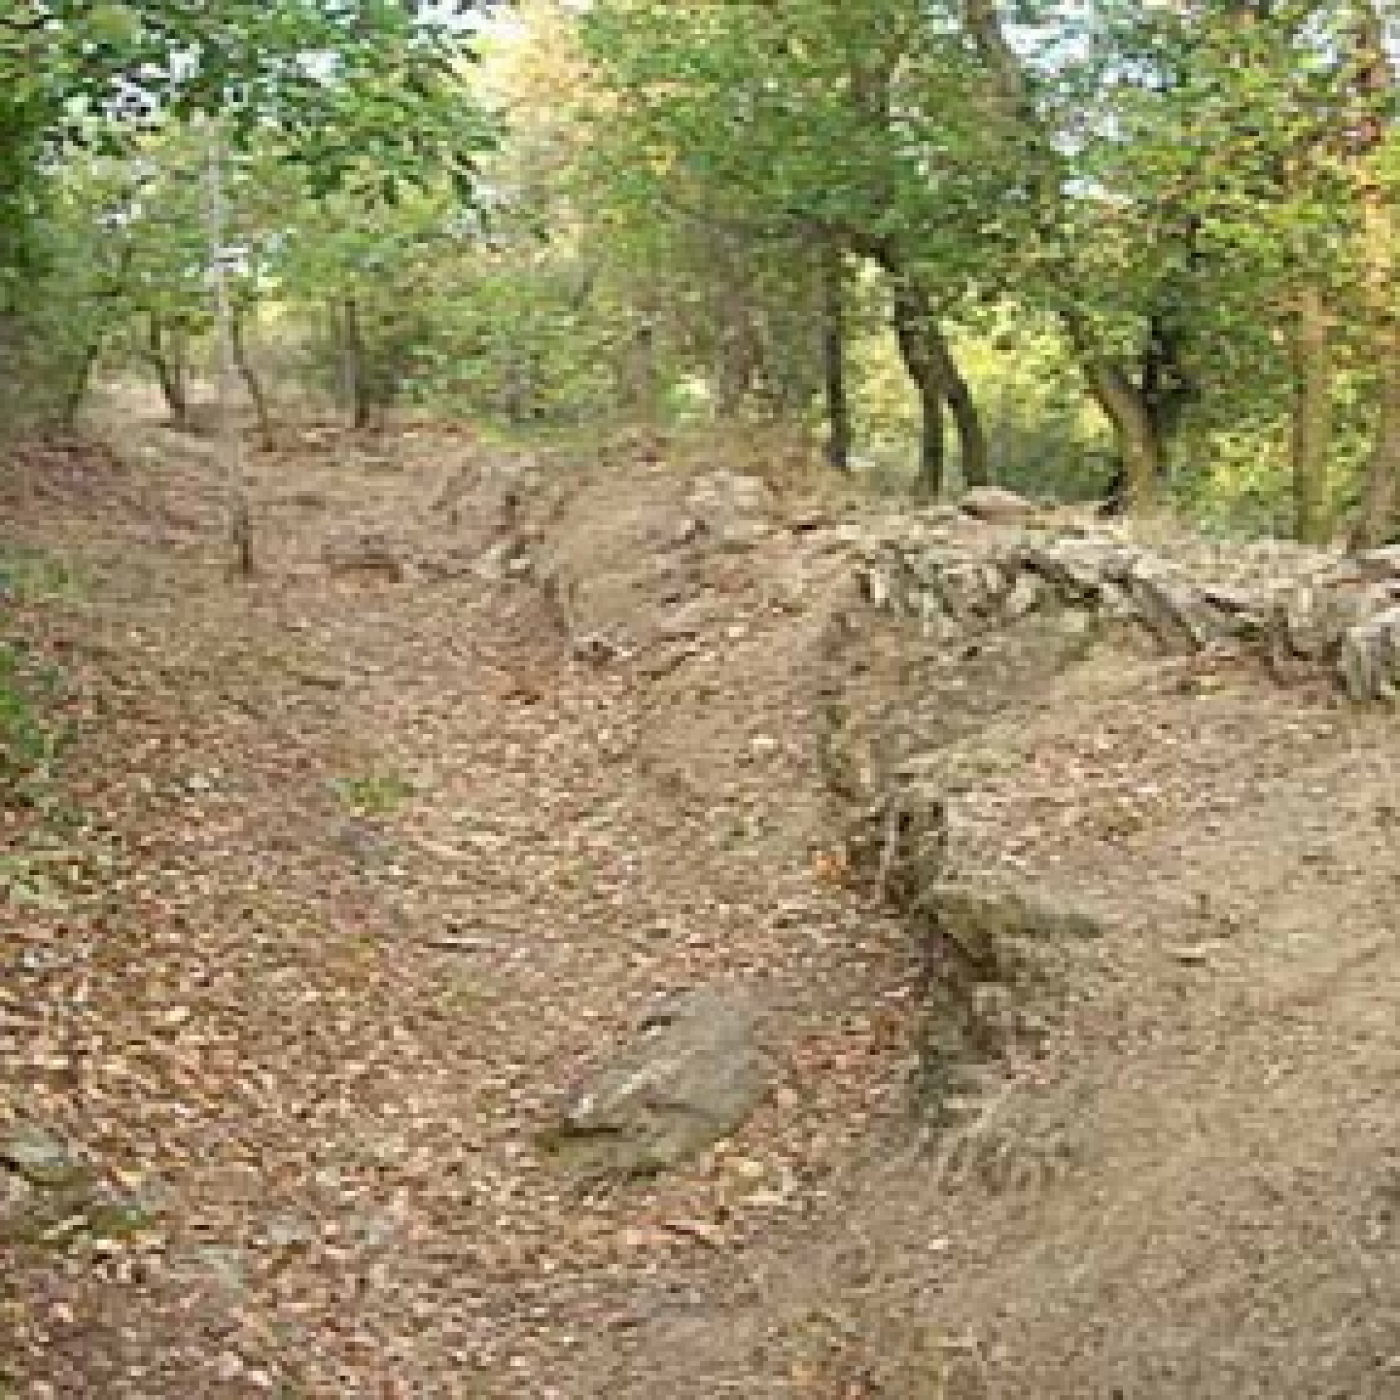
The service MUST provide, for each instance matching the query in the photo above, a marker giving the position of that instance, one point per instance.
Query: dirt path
(390, 863)
(387, 879)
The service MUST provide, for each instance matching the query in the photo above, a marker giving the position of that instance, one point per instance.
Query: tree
(836, 126)
(1371, 129)
(365, 87)
(1115, 345)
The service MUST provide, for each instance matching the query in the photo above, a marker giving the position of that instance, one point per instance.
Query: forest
(1115, 250)
(699, 699)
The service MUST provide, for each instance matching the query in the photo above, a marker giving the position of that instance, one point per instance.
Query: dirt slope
(400, 839)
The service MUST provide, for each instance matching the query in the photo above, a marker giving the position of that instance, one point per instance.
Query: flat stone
(692, 1075)
(1077, 568)
(38, 1157)
(1386, 559)
(1243, 614)
(1171, 607)
(996, 505)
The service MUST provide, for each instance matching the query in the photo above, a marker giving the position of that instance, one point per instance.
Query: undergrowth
(37, 856)
(30, 736)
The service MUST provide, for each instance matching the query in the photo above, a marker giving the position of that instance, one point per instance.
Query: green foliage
(1045, 437)
(1111, 213)
(376, 793)
(517, 340)
(35, 576)
(29, 737)
(362, 95)
(98, 71)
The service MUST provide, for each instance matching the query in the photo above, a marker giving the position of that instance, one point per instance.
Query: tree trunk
(230, 434)
(1311, 414)
(929, 361)
(1133, 409)
(1167, 387)
(933, 443)
(834, 380)
(165, 352)
(252, 381)
(1378, 518)
(1379, 514)
(645, 390)
(1139, 446)
(354, 372)
(74, 399)
(974, 458)
(1137, 430)
(734, 374)
(911, 327)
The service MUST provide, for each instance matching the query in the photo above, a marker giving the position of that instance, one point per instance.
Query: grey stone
(996, 505)
(965, 590)
(1386, 559)
(935, 620)
(1242, 614)
(38, 1157)
(1076, 568)
(1171, 607)
(1303, 622)
(221, 1269)
(993, 954)
(1025, 596)
(692, 1075)
(1370, 658)
(995, 930)
(1310, 621)
(1116, 603)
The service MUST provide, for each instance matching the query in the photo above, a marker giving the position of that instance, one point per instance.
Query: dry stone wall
(1337, 615)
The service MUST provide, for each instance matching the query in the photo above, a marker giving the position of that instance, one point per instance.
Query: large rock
(1172, 608)
(997, 506)
(1370, 658)
(49, 1196)
(691, 1077)
(1077, 568)
(993, 955)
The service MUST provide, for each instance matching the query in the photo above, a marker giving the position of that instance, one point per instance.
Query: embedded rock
(691, 1077)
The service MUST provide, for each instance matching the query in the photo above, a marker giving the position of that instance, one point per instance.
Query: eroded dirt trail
(389, 847)
(389, 875)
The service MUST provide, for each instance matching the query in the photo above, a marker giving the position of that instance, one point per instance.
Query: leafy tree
(846, 128)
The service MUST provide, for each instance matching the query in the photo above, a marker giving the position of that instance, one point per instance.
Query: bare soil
(376, 854)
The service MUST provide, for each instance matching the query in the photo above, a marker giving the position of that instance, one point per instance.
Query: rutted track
(407, 836)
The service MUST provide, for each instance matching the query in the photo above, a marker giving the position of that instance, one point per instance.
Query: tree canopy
(1186, 211)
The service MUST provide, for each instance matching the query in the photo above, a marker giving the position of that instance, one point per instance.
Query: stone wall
(1338, 616)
